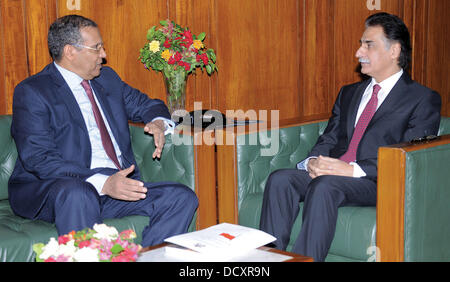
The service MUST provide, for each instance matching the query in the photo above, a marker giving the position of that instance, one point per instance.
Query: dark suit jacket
(51, 136)
(410, 110)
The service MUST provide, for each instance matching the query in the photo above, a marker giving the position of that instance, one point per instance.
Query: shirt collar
(387, 84)
(72, 79)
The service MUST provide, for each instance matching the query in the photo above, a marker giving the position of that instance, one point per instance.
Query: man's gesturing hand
(119, 186)
(157, 128)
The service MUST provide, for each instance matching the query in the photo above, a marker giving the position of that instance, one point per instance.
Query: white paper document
(223, 238)
(222, 242)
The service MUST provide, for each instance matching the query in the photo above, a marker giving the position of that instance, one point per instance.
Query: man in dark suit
(341, 168)
(75, 164)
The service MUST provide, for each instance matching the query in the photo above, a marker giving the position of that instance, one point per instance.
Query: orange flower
(166, 54)
(198, 44)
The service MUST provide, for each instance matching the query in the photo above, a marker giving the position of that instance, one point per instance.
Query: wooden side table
(295, 257)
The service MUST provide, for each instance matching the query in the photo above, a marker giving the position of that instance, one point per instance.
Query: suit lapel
(102, 97)
(393, 98)
(67, 97)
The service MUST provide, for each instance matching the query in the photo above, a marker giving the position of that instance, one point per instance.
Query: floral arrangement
(176, 52)
(171, 47)
(102, 243)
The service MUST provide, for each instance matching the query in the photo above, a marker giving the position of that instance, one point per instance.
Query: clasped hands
(119, 186)
(328, 166)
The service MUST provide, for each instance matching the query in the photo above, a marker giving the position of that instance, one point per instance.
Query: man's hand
(119, 186)
(157, 128)
(329, 166)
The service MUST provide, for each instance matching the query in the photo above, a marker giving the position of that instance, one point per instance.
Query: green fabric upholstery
(355, 237)
(427, 209)
(17, 234)
(8, 155)
(444, 126)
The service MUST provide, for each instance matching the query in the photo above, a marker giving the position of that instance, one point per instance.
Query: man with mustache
(75, 164)
(341, 168)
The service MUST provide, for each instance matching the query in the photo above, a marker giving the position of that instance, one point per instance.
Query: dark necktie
(360, 128)
(106, 139)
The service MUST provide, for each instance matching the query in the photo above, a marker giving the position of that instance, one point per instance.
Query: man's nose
(103, 53)
(360, 52)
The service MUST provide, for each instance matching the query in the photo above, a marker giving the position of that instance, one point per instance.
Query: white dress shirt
(99, 156)
(386, 87)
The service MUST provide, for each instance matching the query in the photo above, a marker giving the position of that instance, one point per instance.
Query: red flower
(83, 244)
(126, 255)
(127, 234)
(187, 39)
(167, 43)
(63, 239)
(202, 57)
(186, 66)
(188, 35)
(175, 58)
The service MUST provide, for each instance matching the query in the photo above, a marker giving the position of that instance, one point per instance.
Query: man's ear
(396, 49)
(69, 52)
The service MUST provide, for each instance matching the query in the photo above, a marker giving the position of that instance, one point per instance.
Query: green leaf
(163, 23)
(151, 32)
(116, 249)
(209, 69)
(201, 36)
(211, 54)
(38, 249)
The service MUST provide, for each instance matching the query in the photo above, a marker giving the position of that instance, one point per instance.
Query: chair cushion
(8, 155)
(19, 234)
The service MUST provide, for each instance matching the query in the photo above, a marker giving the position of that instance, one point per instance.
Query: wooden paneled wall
(290, 55)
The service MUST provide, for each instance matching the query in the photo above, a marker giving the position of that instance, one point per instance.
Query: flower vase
(175, 81)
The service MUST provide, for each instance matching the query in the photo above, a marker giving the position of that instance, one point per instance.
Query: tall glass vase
(175, 81)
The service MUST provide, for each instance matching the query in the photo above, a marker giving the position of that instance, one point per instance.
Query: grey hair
(66, 30)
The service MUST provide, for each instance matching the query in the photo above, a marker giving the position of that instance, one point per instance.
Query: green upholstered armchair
(410, 223)
(17, 235)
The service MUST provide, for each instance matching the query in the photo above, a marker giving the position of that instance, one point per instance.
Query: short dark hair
(394, 30)
(66, 30)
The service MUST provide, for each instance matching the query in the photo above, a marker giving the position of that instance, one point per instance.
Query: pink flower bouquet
(102, 243)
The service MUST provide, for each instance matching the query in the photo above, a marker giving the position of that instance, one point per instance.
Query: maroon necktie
(364, 119)
(106, 139)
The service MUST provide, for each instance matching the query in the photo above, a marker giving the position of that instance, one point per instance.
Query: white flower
(51, 249)
(105, 232)
(86, 254)
(154, 46)
(68, 249)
